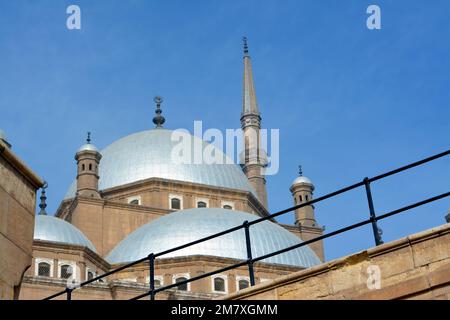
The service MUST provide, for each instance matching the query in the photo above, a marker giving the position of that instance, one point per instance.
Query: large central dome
(147, 154)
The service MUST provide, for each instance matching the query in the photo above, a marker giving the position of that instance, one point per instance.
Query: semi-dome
(53, 229)
(189, 225)
(148, 154)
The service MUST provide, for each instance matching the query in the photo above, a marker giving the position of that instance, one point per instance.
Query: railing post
(69, 294)
(151, 261)
(249, 253)
(376, 230)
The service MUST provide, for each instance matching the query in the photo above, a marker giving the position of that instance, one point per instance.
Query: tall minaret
(255, 158)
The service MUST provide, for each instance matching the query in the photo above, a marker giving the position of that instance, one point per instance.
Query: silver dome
(188, 225)
(147, 154)
(87, 147)
(302, 179)
(53, 229)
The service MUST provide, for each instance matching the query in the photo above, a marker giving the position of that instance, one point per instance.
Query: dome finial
(244, 39)
(158, 119)
(43, 205)
(300, 171)
(88, 139)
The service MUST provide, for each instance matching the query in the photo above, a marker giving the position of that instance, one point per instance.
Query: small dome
(301, 179)
(189, 225)
(53, 229)
(148, 154)
(87, 147)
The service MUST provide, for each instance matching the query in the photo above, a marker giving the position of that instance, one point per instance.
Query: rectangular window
(175, 201)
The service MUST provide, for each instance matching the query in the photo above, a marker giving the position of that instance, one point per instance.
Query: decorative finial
(43, 205)
(300, 171)
(158, 119)
(244, 39)
(88, 139)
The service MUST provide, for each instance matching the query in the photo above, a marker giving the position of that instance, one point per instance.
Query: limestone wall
(414, 267)
(17, 206)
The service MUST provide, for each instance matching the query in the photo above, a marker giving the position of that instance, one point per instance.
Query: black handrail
(246, 226)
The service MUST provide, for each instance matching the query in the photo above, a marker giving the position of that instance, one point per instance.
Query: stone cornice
(211, 260)
(20, 166)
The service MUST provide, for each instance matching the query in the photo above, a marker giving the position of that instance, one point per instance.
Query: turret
(302, 191)
(88, 160)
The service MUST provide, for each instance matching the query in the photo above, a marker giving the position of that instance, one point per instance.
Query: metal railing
(373, 219)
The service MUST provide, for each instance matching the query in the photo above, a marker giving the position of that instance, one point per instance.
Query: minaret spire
(158, 119)
(43, 197)
(255, 158)
(249, 106)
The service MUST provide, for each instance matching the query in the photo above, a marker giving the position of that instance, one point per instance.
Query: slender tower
(302, 191)
(88, 158)
(255, 158)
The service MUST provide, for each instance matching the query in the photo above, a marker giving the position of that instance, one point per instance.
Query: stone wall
(18, 186)
(414, 267)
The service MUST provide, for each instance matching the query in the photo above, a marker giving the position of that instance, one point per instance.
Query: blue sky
(349, 102)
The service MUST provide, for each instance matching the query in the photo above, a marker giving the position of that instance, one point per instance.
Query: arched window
(306, 198)
(90, 275)
(300, 198)
(182, 287)
(135, 201)
(242, 284)
(228, 207)
(66, 271)
(201, 204)
(83, 167)
(219, 284)
(44, 269)
(90, 166)
(175, 203)
(157, 283)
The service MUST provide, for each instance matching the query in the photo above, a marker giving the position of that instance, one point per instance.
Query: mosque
(129, 200)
